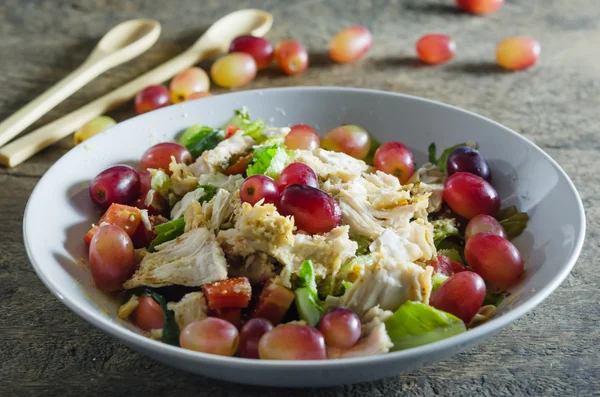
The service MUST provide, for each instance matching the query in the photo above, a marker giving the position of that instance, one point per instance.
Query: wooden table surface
(46, 350)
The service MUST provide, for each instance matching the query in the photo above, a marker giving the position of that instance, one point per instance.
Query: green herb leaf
(166, 232)
(241, 119)
(269, 161)
(209, 193)
(456, 244)
(170, 329)
(444, 228)
(371, 155)
(198, 139)
(346, 284)
(492, 299)
(363, 244)
(513, 221)
(432, 153)
(415, 324)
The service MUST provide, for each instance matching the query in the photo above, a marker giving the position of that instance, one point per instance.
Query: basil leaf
(170, 328)
(513, 221)
(197, 139)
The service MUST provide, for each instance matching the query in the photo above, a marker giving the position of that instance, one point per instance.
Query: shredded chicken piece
(375, 316)
(377, 341)
(128, 307)
(192, 307)
(410, 244)
(257, 267)
(193, 259)
(218, 159)
(155, 334)
(431, 179)
(328, 164)
(182, 179)
(212, 214)
(484, 314)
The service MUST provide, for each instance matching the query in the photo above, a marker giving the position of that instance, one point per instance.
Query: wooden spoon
(122, 43)
(215, 40)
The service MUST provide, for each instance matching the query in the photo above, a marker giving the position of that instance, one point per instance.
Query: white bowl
(60, 212)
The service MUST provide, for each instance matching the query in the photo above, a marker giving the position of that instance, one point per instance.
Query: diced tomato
(233, 292)
(447, 266)
(158, 205)
(231, 314)
(126, 217)
(274, 301)
(239, 167)
(231, 130)
(143, 236)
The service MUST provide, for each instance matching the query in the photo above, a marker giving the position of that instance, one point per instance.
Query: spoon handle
(41, 105)
(23, 148)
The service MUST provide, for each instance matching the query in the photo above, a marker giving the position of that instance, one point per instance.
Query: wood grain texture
(45, 350)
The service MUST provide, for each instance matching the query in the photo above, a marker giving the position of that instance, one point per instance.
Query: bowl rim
(132, 338)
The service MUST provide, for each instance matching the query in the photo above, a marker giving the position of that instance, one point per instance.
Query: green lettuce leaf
(269, 161)
(346, 284)
(241, 119)
(198, 139)
(451, 253)
(166, 232)
(307, 299)
(444, 228)
(209, 193)
(415, 324)
(441, 162)
(160, 182)
(170, 329)
(437, 280)
(513, 221)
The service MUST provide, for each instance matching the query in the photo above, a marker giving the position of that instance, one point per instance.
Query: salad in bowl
(272, 243)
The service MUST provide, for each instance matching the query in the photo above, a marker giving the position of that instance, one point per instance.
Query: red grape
(148, 314)
(159, 156)
(517, 53)
(119, 184)
(259, 48)
(494, 258)
(158, 204)
(258, 187)
(462, 295)
(341, 328)
(447, 266)
(484, 223)
(251, 333)
(233, 70)
(297, 173)
(291, 57)
(467, 159)
(292, 342)
(350, 44)
(211, 335)
(435, 48)
(350, 139)
(396, 159)
(111, 257)
(93, 127)
(479, 6)
(152, 98)
(190, 81)
(302, 137)
(314, 211)
(198, 95)
(469, 195)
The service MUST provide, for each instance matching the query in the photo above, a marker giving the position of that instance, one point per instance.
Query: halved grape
(435, 48)
(484, 223)
(93, 127)
(159, 156)
(340, 327)
(291, 57)
(188, 82)
(462, 295)
(233, 70)
(469, 195)
(258, 187)
(297, 173)
(494, 258)
(258, 47)
(517, 53)
(148, 314)
(292, 342)
(211, 335)
(350, 44)
(468, 159)
(152, 98)
(314, 211)
(111, 257)
(350, 139)
(396, 159)
(251, 333)
(118, 184)
(302, 137)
